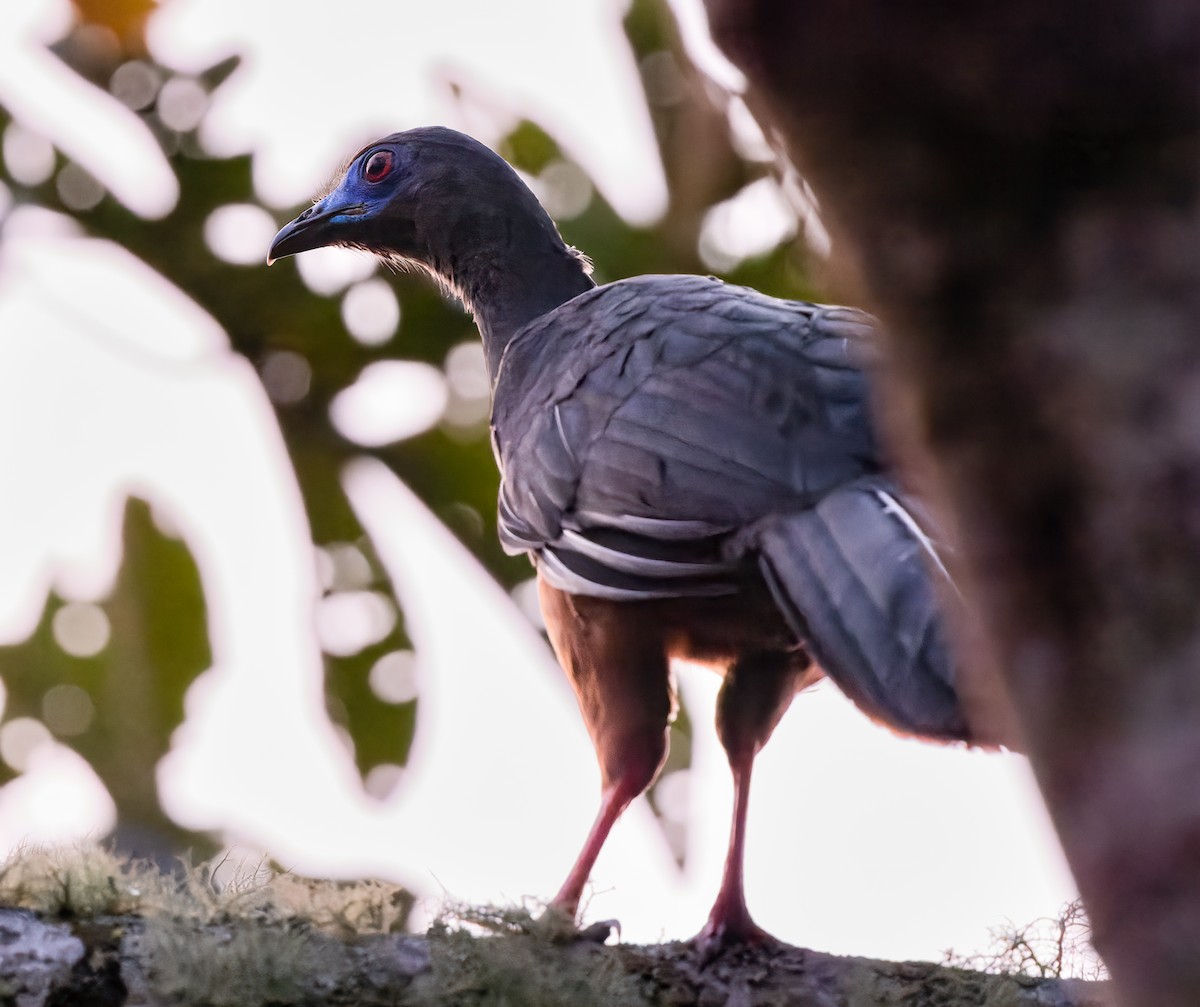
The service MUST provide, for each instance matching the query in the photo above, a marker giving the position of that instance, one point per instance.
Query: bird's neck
(513, 276)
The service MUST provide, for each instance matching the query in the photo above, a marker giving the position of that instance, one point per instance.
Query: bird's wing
(855, 578)
(641, 423)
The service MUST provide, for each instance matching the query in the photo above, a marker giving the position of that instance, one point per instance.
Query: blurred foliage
(157, 609)
(118, 707)
(126, 19)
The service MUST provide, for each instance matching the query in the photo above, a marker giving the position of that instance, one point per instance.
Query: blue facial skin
(357, 195)
(365, 188)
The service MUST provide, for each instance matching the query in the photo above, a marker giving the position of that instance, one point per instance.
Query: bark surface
(1016, 185)
(115, 961)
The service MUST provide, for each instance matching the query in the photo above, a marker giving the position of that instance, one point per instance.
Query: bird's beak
(316, 227)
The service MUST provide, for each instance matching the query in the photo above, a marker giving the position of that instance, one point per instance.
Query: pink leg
(730, 922)
(613, 801)
(758, 690)
(614, 656)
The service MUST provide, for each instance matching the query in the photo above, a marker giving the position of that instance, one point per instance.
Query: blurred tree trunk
(1016, 186)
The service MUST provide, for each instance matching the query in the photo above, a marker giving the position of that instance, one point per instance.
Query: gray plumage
(668, 436)
(692, 467)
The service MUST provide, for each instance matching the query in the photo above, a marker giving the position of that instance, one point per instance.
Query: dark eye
(378, 166)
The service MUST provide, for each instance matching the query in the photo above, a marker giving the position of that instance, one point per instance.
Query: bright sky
(859, 842)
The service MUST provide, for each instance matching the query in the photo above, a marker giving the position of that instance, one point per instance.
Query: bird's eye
(378, 166)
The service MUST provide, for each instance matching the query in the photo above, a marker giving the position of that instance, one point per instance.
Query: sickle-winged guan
(691, 466)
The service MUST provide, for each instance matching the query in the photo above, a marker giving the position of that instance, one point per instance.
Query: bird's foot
(558, 925)
(600, 931)
(730, 929)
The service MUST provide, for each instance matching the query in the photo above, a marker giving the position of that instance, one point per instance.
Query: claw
(559, 927)
(600, 931)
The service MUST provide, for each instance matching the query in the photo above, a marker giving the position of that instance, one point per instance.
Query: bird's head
(438, 200)
(429, 197)
(350, 212)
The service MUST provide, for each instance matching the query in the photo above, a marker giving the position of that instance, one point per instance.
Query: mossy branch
(89, 929)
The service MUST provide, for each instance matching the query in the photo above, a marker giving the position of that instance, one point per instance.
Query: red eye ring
(378, 166)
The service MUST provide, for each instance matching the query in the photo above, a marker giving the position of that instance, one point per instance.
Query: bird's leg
(614, 799)
(729, 921)
(756, 693)
(614, 655)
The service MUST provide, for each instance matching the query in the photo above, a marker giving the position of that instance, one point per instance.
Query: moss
(85, 882)
(243, 964)
(510, 957)
(261, 937)
(73, 882)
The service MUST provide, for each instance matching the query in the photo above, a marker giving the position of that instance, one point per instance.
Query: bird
(694, 470)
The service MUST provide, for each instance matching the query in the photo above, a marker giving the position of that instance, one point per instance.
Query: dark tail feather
(853, 576)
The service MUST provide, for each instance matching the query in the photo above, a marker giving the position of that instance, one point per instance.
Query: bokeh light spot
(239, 233)
(564, 190)
(97, 47)
(753, 222)
(348, 621)
(390, 400)
(286, 375)
(371, 312)
(470, 388)
(327, 270)
(81, 629)
(20, 738)
(78, 188)
(466, 370)
(28, 156)
(349, 569)
(182, 103)
(662, 79)
(135, 84)
(464, 520)
(381, 780)
(393, 677)
(67, 710)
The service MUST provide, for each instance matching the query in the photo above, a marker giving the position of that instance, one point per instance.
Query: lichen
(74, 882)
(243, 964)
(260, 937)
(515, 957)
(87, 881)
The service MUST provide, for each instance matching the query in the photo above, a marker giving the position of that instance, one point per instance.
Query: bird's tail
(854, 578)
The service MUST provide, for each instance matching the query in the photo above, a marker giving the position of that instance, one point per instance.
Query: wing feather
(677, 409)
